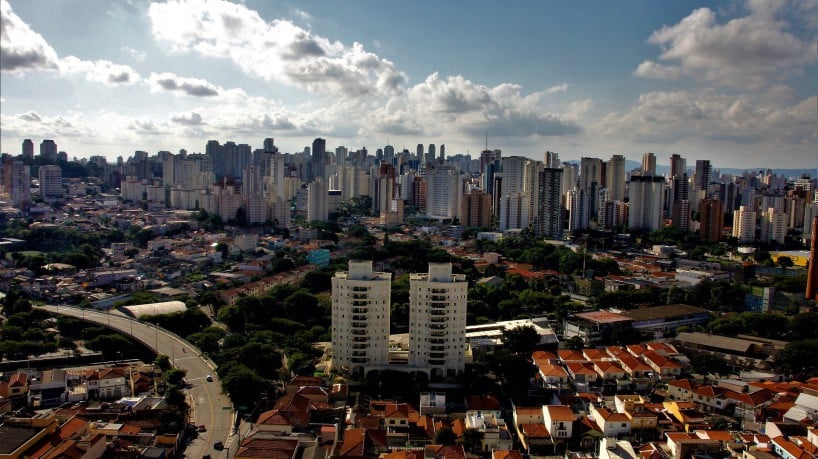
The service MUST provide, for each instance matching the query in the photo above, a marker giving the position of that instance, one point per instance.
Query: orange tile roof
(535, 430)
(446, 451)
(506, 454)
(552, 370)
(560, 413)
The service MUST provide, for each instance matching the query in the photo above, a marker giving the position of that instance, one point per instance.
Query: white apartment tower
(51, 183)
(615, 178)
(744, 224)
(647, 198)
(317, 200)
(442, 192)
(437, 320)
(360, 318)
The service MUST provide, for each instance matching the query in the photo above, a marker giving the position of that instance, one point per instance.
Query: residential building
(437, 320)
(711, 219)
(360, 317)
(744, 224)
(646, 204)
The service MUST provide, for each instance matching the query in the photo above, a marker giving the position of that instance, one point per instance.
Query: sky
(732, 81)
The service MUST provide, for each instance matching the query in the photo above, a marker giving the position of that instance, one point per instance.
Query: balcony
(359, 360)
(359, 296)
(360, 289)
(438, 312)
(438, 333)
(358, 325)
(359, 310)
(358, 353)
(437, 362)
(436, 340)
(360, 339)
(438, 319)
(360, 346)
(359, 317)
(438, 298)
(360, 303)
(359, 333)
(437, 327)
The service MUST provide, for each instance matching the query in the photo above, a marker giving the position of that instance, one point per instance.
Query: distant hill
(662, 169)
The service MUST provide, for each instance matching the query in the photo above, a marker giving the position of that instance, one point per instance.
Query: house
(582, 372)
(681, 389)
(492, 426)
(634, 367)
(611, 448)
(559, 420)
(787, 449)
(662, 366)
(683, 445)
(713, 397)
(363, 443)
(610, 423)
(609, 370)
(506, 454)
(686, 414)
(444, 452)
(107, 383)
(553, 375)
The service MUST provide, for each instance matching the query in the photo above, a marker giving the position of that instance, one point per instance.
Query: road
(208, 405)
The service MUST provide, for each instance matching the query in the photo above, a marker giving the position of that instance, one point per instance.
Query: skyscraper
(711, 219)
(701, 177)
(437, 320)
(548, 221)
(51, 183)
(552, 160)
(360, 318)
(646, 193)
(678, 165)
(442, 192)
(649, 164)
(615, 178)
(744, 224)
(48, 150)
(28, 148)
(318, 161)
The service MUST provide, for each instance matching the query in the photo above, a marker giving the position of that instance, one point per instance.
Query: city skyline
(731, 81)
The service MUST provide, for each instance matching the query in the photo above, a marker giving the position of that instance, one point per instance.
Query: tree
(709, 363)
(798, 358)
(162, 362)
(785, 262)
(521, 340)
(175, 376)
(472, 439)
(445, 436)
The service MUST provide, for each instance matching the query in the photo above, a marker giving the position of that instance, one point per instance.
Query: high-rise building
(648, 164)
(711, 220)
(548, 219)
(773, 226)
(744, 224)
(442, 192)
(552, 160)
(51, 183)
(269, 145)
(317, 195)
(513, 211)
(646, 205)
(437, 320)
(17, 182)
(48, 150)
(360, 318)
(476, 209)
(514, 174)
(590, 180)
(678, 165)
(702, 174)
(28, 148)
(615, 178)
(579, 205)
(318, 162)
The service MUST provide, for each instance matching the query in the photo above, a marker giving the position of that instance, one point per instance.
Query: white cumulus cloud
(277, 50)
(749, 51)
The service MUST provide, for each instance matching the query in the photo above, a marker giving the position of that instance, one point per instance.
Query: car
(209, 378)
(201, 428)
(218, 446)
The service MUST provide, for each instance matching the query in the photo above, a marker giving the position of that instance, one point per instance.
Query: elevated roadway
(208, 405)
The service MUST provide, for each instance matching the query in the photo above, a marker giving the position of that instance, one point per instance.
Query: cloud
(557, 88)
(671, 117)
(277, 50)
(101, 71)
(187, 119)
(147, 127)
(20, 47)
(33, 124)
(136, 54)
(749, 51)
(170, 82)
